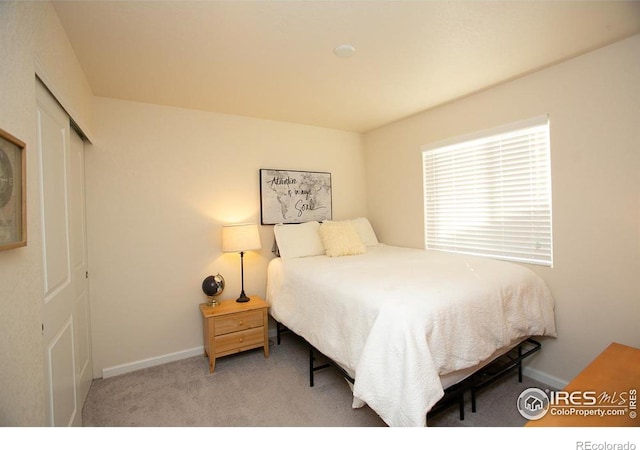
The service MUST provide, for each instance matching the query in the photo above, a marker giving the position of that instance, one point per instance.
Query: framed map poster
(293, 196)
(13, 215)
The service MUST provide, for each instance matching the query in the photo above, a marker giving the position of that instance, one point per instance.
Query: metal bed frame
(487, 375)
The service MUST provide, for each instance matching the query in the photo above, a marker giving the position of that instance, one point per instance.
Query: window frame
(448, 237)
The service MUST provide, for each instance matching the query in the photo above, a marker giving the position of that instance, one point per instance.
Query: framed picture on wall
(13, 199)
(294, 196)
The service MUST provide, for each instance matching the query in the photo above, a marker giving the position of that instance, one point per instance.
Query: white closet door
(78, 243)
(66, 325)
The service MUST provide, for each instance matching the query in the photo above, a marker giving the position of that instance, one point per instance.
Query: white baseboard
(108, 372)
(544, 377)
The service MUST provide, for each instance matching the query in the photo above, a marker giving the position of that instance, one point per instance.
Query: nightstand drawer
(237, 322)
(239, 341)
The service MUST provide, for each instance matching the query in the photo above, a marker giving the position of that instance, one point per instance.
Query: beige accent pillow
(340, 238)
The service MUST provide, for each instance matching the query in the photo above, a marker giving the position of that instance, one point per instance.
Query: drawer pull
(241, 339)
(239, 322)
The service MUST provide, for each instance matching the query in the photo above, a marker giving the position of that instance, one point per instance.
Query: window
(490, 194)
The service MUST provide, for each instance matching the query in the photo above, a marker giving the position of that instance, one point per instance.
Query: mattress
(407, 323)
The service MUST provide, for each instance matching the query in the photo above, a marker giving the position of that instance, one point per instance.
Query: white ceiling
(274, 59)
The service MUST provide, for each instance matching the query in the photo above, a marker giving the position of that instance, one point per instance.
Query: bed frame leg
(311, 366)
(278, 332)
(473, 399)
(520, 363)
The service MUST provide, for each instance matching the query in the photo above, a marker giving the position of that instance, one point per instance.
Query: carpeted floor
(248, 390)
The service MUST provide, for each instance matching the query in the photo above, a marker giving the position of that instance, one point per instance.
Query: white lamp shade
(240, 237)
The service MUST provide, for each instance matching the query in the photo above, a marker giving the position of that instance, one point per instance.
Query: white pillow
(365, 231)
(341, 238)
(298, 240)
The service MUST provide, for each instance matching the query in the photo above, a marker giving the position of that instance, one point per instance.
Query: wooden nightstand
(233, 327)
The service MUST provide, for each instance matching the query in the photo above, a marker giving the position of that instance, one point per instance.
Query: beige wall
(594, 107)
(160, 183)
(30, 36)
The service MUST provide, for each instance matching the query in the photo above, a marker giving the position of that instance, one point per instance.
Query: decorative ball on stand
(213, 286)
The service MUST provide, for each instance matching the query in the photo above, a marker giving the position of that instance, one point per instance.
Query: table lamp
(241, 238)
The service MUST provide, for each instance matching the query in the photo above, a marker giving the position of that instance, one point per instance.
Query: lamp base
(243, 298)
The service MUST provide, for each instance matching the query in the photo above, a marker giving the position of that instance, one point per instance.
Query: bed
(403, 323)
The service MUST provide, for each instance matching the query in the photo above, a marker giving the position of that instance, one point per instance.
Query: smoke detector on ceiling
(344, 50)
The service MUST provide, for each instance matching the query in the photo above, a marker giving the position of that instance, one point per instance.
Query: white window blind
(490, 194)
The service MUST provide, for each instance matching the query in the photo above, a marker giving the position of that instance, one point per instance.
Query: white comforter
(397, 319)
